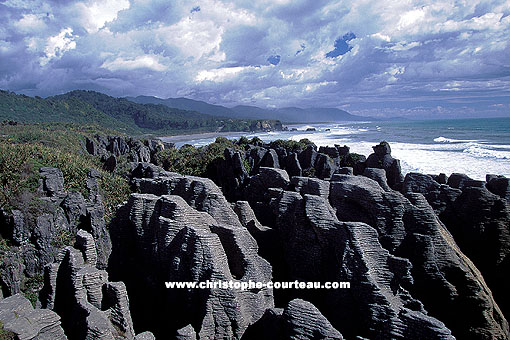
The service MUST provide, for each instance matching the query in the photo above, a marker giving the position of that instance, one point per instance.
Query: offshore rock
(167, 238)
(409, 228)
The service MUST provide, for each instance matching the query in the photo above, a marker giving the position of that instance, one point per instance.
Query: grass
(24, 149)
(5, 334)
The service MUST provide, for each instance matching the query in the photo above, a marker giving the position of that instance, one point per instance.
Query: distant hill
(288, 114)
(92, 107)
(26, 109)
(187, 104)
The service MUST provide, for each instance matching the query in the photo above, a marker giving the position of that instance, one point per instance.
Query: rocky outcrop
(109, 148)
(183, 229)
(38, 234)
(24, 322)
(91, 307)
(382, 159)
(319, 248)
(479, 222)
(408, 228)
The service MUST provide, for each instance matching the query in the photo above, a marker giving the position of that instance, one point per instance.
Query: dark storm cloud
(427, 52)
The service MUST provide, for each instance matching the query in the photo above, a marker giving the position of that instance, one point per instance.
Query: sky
(411, 58)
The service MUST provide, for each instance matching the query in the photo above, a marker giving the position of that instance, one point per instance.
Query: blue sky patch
(341, 45)
(274, 59)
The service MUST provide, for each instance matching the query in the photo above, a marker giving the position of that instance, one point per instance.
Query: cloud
(57, 45)
(366, 54)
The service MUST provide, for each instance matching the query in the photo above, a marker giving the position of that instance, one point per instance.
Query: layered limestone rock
(300, 320)
(23, 321)
(90, 306)
(444, 278)
(183, 229)
(479, 221)
(37, 237)
(319, 248)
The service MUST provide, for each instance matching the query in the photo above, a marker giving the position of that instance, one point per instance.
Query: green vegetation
(5, 334)
(24, 149)
(189, 160)
(291, 145)
(31, 287)
(85, 107)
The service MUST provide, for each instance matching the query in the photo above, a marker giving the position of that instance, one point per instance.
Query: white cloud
(146, 61)
(57, 45)
(95, 14)
(404, 50)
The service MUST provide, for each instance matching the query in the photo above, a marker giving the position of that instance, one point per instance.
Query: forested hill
(97, 108)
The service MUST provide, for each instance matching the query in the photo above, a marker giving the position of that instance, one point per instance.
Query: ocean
(475, 147)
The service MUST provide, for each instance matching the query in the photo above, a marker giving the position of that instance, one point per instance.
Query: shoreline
(201, 135)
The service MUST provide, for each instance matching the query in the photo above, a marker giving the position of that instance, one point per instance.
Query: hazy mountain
(186, 104)
(287, 114)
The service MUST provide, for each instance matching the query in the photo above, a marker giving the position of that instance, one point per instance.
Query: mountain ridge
(285, 114)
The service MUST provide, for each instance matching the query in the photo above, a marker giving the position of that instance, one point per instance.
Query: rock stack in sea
(426, 256)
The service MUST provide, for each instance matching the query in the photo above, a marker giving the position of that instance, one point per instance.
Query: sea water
(475, 147)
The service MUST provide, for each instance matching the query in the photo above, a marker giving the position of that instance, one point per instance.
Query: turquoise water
(472, 146)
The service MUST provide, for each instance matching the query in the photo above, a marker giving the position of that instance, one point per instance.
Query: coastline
(201, 135)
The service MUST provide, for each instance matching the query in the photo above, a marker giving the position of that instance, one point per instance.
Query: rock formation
(409, 228)
(183, 229)
(23, 321)
(38, 236)
(91, 307)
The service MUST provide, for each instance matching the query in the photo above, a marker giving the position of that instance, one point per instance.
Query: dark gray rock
(254, 156)
(307, 157)
(90, 306)
(53, 181)
(382, 159)
(324, 166)
(292, 165)
(303, 321)
(11, 273)
(229, 173)
(342, 150)
(319, 248)
(499, 185)
(270, 160)
(480, 224)
(460, 181)
(110, 164)
(330, 151)
(345, 171)
(312, 186)
(408, 227)
(378, 175)
(186, 333)
(91, 146)
(161, 239)
(441, 178)
(18, 316)
(439, 196)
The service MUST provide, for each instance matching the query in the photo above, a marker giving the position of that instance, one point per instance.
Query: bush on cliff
(24, 149)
